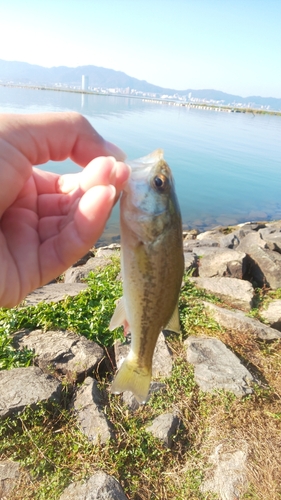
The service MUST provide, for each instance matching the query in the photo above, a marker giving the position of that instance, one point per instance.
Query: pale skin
(48, 221)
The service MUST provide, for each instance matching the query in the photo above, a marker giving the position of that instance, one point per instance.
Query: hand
(48, 221)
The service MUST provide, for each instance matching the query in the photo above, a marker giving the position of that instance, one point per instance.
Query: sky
(228, 45)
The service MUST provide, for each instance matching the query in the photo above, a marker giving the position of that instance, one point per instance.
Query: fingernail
(113, 150)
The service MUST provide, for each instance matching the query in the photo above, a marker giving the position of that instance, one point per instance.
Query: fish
(152, 266)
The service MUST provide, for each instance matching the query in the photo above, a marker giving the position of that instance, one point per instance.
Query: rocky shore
(227, 262)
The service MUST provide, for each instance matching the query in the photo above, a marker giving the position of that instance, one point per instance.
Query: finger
(27, 140)
(101, 171)
(56, 136)
(85, 228)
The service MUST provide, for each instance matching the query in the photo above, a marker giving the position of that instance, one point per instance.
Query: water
(227, 166)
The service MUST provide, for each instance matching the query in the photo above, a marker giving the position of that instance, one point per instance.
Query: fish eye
(160, 182)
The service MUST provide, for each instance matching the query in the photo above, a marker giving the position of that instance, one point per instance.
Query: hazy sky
(228, 45)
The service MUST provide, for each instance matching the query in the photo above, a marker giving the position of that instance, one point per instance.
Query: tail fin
(132, 378)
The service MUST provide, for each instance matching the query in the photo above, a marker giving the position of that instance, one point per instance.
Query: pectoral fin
(174, 322)
(119, 317)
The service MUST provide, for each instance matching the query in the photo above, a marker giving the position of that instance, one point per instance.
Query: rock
(103, 258)
(100, 486)
(272, 314)
(76, 274)
(210, 234)
(239, 322)
(55, 292)
(162, 363)
(190, 234)
(110, 251)
(88, 405)
(130, 400)
(202, 251)
(250, 240)
(230, 240)
(224, 262)
(21, 387)
(227, 478)
(190, 260)
(63, 351)
(249, 227)
(268, 263)
(85, 258)
(224, 239)
(216, 367)
(265, 265)
(237, 293)
(164, 428)
(272, 238)
(190, 245)
(9, 478)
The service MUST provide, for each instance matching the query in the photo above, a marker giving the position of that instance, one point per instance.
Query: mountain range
(30, 74)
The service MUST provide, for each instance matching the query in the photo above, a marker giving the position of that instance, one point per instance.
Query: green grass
(88, 314)
(49, 445)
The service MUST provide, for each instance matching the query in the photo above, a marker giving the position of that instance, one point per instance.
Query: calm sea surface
(227, 166)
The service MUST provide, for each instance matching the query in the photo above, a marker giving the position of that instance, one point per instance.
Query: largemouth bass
(152, 266)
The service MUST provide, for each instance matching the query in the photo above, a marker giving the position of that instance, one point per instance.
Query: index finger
(28, 140)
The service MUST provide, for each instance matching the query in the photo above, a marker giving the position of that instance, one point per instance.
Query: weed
(49, 444)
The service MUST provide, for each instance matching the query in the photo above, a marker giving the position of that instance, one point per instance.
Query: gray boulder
(195, 245)
(103, 258)
(130, 400)
(190, 260)
(216, 367)
(272, 314)
(77, 274)
(190, 234)
(110, 251)
(21, 387)
(251, 240)
(88, 406)
(272, 237)
(223, 240)
(55, 292)
(240, 323)
(100, 486)
(223, 262)
(9, 478)
(228, 474)
(265, 265)
(232, 238)
(237, 293)
(214, 234)
(63, 351)
(164, 428)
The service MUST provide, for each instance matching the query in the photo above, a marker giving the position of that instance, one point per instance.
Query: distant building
(85, 82)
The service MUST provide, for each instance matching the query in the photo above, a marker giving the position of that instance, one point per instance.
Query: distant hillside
(25, 73)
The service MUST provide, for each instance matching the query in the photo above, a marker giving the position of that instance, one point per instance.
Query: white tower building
(85, 82)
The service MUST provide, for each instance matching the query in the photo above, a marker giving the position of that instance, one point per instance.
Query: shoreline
(170, 102)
